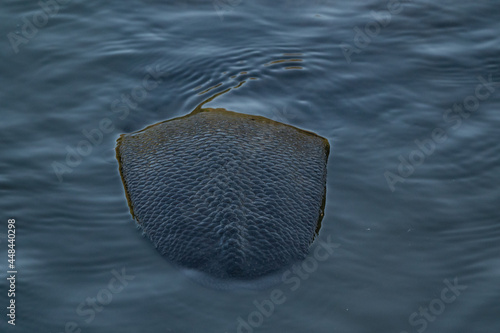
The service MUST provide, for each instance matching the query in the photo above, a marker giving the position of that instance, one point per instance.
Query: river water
(407, 93)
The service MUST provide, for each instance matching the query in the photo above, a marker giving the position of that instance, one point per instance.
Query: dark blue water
(407, 94)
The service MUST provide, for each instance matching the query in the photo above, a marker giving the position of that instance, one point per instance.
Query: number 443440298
(11, 240)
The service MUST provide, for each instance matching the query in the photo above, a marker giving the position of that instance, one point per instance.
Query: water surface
(408, 221)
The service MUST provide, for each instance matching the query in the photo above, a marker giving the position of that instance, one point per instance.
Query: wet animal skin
(228, 194)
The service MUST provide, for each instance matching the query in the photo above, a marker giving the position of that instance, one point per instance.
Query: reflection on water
(95, 70)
